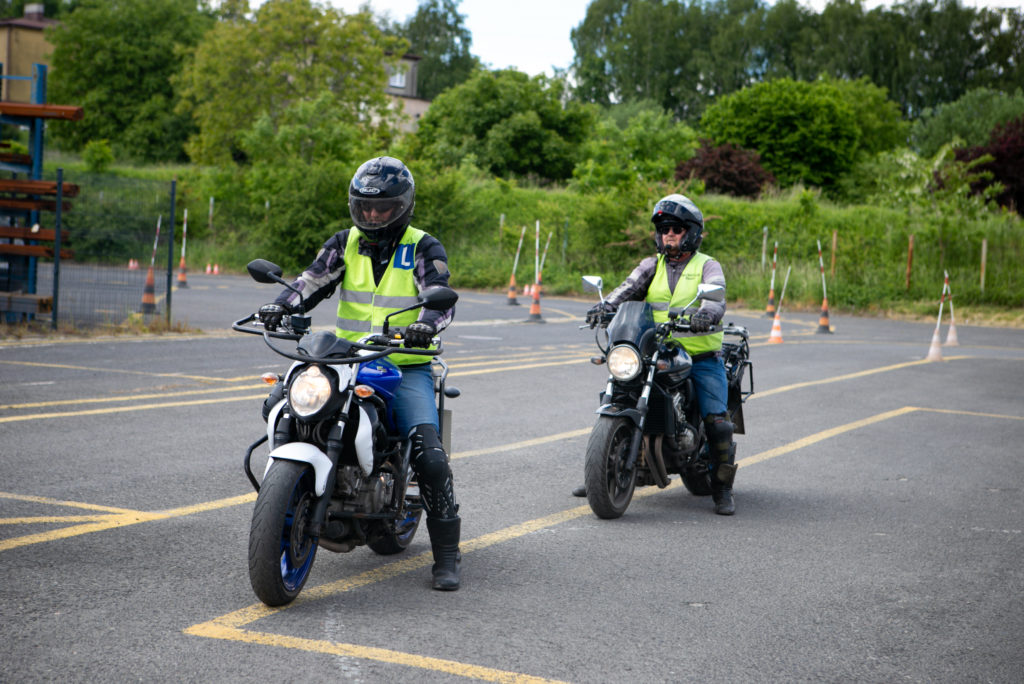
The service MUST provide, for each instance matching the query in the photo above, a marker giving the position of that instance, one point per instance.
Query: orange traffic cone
(149, 293)
(133, 264)
(770, 309)
(535, 306)
(935, 350)
(823, 326)
(216, 269)
(512, 291)
(951, 339)
(776, 336)
(182, 279)
(209, 269)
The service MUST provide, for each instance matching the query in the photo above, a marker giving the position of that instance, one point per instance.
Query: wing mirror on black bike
(714, 293)
(593, 284)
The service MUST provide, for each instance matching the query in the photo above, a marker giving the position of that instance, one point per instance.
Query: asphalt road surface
(879, 535)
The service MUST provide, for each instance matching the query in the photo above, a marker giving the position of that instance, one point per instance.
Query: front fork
(639, 417)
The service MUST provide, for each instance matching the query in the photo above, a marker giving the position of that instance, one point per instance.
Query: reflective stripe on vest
(662, 299)
(363, 305)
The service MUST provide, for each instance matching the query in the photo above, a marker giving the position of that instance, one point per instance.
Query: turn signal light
(270, 378)
(597, 360)
(363, 391)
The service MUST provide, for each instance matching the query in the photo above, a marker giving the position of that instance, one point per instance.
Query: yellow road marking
(127, 397)
(125, 409)
(125, 371)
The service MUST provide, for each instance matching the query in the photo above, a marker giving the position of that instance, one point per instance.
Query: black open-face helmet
(381, 198)
(678, 210)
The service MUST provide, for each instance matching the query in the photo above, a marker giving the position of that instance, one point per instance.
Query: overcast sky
(533, 35)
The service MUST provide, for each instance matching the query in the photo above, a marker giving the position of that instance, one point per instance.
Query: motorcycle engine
(364, 494)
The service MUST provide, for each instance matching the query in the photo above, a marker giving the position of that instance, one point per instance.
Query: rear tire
(281, 552)
(609, 487)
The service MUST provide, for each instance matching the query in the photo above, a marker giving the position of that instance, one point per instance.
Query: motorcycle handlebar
(249, 325)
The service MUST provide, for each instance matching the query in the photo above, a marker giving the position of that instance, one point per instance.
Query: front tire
(609, 486)
(281, 552)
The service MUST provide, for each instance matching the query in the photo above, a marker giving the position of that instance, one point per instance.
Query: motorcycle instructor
(669, 280)
(379, 266)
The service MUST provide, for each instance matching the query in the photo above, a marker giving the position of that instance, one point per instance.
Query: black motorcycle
(649, 423)
(338, 475)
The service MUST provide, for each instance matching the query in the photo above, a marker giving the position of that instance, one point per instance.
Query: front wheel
(281, 551)
(609, 484)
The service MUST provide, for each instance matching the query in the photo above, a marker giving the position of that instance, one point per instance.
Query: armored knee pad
(723, 449)
(430, 462)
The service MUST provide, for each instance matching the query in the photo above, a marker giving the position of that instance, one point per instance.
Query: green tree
(510, 123)
(970, 119)
(645, 149)
(438, 35)
(114, 58)
(290, 51)
(301, 162)
(804, 131)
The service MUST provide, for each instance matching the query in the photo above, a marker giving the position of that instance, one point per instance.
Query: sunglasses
(671, 228)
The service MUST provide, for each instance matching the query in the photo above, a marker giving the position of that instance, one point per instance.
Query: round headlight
(624, 362)
(309, 391)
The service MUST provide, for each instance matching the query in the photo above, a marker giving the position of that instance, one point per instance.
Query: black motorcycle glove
(419, 334)
(597, 313)
(271, 314)
(701, 321)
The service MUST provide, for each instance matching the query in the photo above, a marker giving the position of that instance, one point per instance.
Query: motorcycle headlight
(624, 362)
(309, 391)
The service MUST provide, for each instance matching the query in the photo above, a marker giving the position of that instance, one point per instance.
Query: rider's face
(672, 238)
(379, 214)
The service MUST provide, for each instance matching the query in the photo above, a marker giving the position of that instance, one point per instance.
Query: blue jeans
(414, 401)
(711, 385)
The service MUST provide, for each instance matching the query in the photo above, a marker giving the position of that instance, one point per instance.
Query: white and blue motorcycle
(338, 475)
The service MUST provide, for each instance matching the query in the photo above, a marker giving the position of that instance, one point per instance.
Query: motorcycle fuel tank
(382, 375)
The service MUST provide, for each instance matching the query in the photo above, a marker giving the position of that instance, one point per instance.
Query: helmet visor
(372, 213)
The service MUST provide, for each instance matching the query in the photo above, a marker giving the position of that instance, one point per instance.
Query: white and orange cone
(935, 350)
(776, 335)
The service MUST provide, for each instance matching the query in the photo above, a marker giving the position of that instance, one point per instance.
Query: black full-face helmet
(678, 210)
(381, 198)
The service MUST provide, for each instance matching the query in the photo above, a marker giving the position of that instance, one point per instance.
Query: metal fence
(111, 229)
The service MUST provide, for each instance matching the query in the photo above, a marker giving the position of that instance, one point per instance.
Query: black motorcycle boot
(723, 456)
(444, 542)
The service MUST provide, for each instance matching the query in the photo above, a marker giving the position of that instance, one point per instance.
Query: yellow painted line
(58, 502)
(36, 364)
(524, 444)
(383, 655)
(229, 626)
(125, 409)
(122, 518)
(824, 434)
(518, 367)
(971, 413)
(848, 376)
(53, 519)
(126, 397)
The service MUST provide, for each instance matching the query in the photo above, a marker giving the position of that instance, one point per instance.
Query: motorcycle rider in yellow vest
(669, 280)
(380, 266)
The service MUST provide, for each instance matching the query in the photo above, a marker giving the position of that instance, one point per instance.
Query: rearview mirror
(592, 283)
(438, 298)
(713, 293)
(263, 271)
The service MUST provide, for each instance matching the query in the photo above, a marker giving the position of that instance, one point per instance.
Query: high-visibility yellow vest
(662, 299)
(363, 304)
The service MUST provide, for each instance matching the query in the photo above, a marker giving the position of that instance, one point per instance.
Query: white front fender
(304, 453)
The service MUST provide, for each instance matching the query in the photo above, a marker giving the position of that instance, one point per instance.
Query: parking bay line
(231, 626)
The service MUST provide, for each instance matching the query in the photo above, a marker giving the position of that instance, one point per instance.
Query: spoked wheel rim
(619, 481)
(297, 547)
